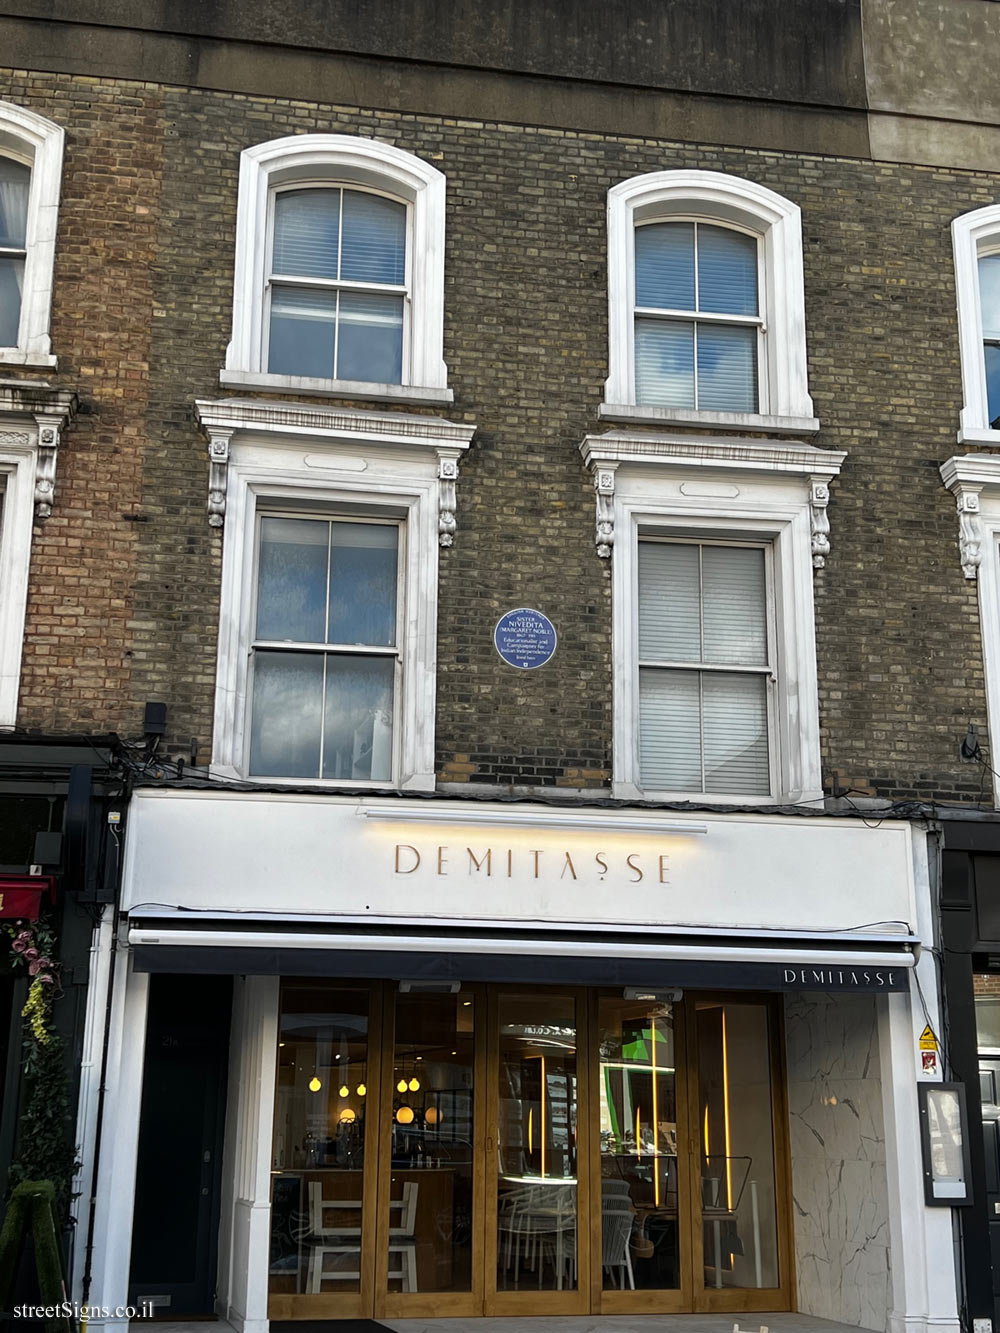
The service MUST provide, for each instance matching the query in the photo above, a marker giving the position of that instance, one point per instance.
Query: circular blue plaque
(525, 638)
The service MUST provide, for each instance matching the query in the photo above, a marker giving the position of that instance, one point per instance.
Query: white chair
(617, 1220)
(336, 1240)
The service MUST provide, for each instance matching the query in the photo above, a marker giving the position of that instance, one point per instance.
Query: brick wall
(141, 321)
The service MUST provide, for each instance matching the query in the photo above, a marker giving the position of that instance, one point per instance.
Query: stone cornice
(223, 418)
(728, 453)
(52, 410)
(335, 423)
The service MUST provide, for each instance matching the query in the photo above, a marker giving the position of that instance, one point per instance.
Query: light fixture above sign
(557, 819)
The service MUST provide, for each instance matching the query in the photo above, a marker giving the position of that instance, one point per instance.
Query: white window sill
(979, 435)
(416, 781)
(11, 356)
(300, 384)
(673, 416)
(630, 791)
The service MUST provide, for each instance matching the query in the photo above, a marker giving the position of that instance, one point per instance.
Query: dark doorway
(178, 1176)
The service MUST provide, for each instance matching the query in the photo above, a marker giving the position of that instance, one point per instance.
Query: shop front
(508, 1059)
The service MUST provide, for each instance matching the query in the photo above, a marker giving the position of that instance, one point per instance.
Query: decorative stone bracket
(604, 490)
(819, 498)
(447, 477)
(218, 473)
(967, 477)
(52, 411)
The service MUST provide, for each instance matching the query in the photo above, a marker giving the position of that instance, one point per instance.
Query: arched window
(706, 310)
(339, 271)
(976, 239)
(30, 167)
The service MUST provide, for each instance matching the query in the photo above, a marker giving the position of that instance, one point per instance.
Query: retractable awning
(860, 963)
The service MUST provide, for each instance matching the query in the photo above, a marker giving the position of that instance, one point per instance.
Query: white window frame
(973, 235)
(37, 143)
(344, 462)
(329, 513)
(744, 491)
(723, 200)
(305, 160)
(17, 484)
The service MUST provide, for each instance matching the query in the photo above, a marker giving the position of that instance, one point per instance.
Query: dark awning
(854, 964)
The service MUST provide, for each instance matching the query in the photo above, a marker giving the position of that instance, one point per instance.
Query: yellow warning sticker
(928, 1041)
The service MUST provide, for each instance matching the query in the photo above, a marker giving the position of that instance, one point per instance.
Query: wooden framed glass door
(532, 1151)
(537, 1253)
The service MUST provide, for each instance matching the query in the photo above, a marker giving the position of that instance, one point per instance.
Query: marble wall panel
(840, 1198)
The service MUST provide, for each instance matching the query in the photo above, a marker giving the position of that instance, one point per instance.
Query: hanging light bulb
(404, 1115)
(414, 1084)
(314, 1084)
(344, 1090)
(348, 1116)
(361, 1089)
(432, 1116)
(401, 1085)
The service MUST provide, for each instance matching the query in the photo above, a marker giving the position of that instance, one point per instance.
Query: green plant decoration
(44, 1150)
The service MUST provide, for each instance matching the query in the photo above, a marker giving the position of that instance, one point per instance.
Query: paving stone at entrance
(674, 1323)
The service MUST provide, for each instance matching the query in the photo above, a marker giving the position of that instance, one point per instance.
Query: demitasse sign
(347, 858)
(561, 864)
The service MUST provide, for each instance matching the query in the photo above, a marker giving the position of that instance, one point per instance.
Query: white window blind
(703, 668)
(989, 305)
(709, 360)
(337, 284)
(15, 181)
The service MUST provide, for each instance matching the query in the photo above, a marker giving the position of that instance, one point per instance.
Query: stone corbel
(218, 473)
(819, 498)
(970, 529)
(604, 491)
(447, 477)
(50, 427)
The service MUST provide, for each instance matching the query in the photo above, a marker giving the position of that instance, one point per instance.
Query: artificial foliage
(32, 1206)
(44, 1149)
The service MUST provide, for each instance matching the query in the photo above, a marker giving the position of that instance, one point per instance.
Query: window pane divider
(698, 316)
(337, 284)
(13, 252)
(294, 646)
(707, 666)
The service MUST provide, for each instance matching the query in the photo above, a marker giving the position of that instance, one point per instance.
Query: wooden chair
(333, 1239)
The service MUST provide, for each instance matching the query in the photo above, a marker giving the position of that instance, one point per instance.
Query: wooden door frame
(737, 1300)
(352, 1304)
(405, 1304)
(528, 1303)
(661, 1301)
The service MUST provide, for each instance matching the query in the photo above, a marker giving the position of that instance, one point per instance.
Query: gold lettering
(487, 860)
(442, 860)
(536, 855)
(663, 869)
(602, 863)
(568, 865)
(632, 866)
(510, 859)
(404, 847)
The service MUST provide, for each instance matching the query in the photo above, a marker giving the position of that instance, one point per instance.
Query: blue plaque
(525, 638)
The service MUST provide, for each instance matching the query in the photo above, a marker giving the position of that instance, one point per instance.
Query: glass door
(737, 1101)
(640, 1218)
(430, 1232)
(538, 1243)
(322, 1181)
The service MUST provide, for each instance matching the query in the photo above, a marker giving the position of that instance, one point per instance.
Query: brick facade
(123, 605)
